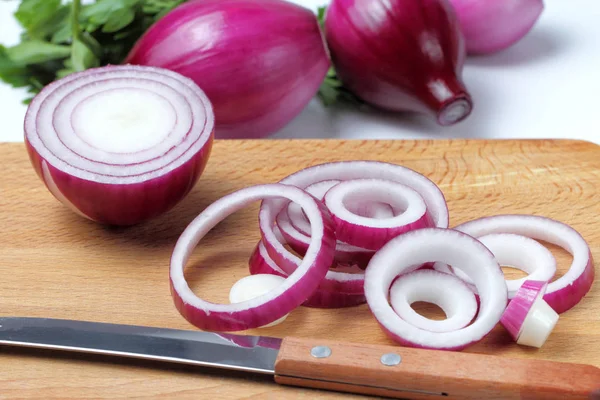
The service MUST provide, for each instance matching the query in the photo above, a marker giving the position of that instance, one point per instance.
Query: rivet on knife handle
(428, 374)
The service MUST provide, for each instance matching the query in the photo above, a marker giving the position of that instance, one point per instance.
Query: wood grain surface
(56, 264)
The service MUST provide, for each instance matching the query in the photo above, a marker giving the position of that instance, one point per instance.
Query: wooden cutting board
(56, 264)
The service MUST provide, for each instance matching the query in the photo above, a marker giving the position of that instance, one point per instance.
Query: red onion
(515, 251)
(120, 144)
(328, 295)
(444, 290)
(346, 280)
(296, 230)
(298, 241)
(493, 25)
(528, 318)
(260, 62)
(406, 252)
(373, 233)
(400, 55)
(568, 290)
(347, 170)
(271, 306)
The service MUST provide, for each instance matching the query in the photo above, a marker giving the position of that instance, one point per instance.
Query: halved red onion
(444, 290)
(373, 233)
(406, 252)
(120, 144)
(329, 294)
(528, 318)
(516, 251)
(264, 309)
(346, 170)
(565, 292)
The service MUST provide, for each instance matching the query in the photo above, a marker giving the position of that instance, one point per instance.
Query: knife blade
(387, 371)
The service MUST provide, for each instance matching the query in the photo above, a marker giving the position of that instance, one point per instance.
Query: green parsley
(60, 38)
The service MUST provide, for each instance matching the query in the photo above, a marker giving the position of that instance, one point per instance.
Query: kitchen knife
(387, 371)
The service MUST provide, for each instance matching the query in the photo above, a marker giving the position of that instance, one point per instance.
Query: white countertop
(546, 86)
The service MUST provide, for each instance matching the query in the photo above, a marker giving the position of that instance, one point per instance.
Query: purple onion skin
(491, 26)
(361, 259)
(260, 62)
(401, 55)
(520, 306)
(125, 204)
(565, 299)
(375, 238)
(320, 298)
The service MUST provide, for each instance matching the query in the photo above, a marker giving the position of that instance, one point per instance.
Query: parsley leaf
(112, 15)
(35, 15)
(12, 73)
(63, 33)
(82, 57)
(36, 51)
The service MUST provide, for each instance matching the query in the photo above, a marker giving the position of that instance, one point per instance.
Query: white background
(546, 86)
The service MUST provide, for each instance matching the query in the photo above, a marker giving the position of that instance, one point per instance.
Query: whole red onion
(493, 25)
(260, 62)
(400, 55)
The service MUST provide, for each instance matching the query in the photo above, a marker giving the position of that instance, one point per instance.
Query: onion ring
(518, 252)
(444, 290)
(278, 302)
(401, 254)
(346, 170)
(373, 233)
(568, 290)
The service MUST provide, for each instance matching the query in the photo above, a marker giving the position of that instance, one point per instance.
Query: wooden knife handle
(429, 374)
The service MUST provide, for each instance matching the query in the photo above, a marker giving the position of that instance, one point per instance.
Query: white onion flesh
(67, 150)
(252, 286)
(518, 252)
(444, 290)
